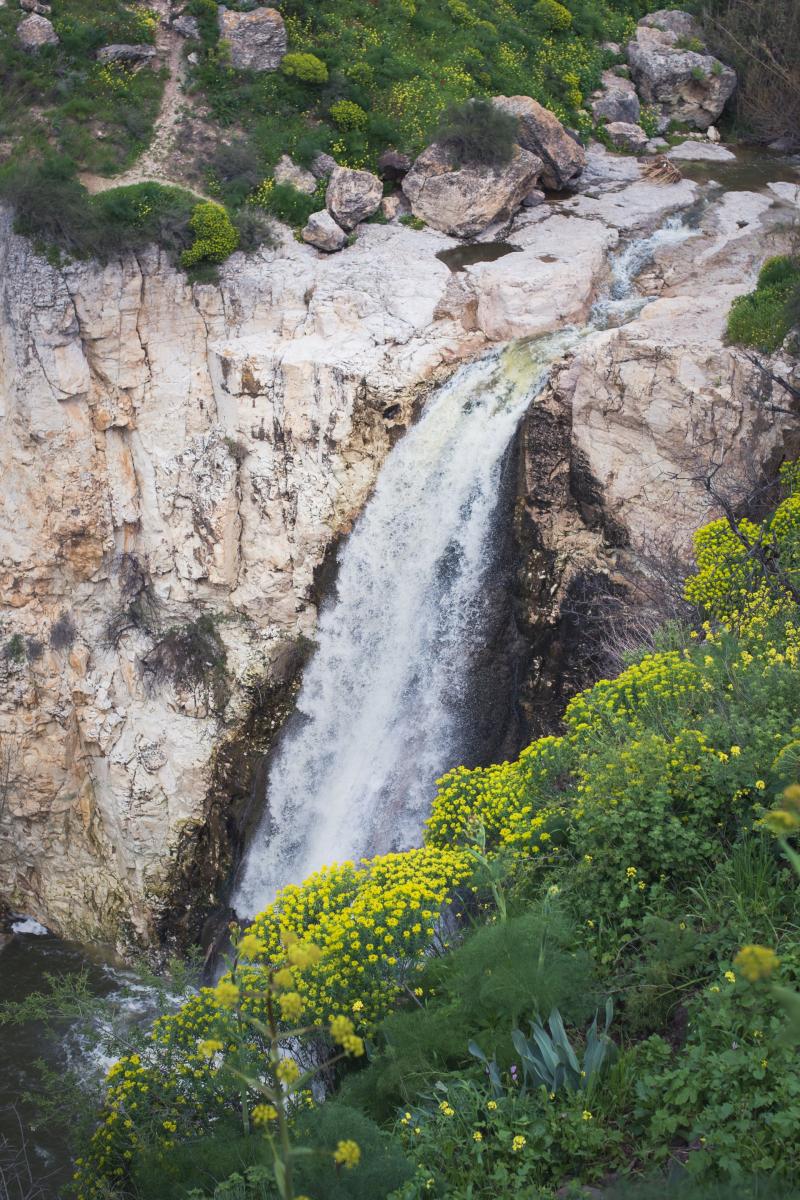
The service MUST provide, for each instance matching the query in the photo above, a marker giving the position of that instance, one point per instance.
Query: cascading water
(382, 705)
(383, 709)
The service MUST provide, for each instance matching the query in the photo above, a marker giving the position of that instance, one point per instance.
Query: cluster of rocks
(668, 69)
(459, 200)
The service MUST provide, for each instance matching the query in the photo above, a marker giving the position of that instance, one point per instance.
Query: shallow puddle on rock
(458, 258)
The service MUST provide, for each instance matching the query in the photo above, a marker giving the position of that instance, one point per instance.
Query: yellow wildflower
(347, 1154)
(756, 962)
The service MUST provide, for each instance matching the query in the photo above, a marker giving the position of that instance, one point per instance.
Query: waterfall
(384, 707)
(382, 710)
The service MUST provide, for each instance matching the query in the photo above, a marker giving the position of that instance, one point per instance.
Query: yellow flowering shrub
(215, 236)
(373, 923)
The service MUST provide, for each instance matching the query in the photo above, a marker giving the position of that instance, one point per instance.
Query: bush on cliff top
(762, 318)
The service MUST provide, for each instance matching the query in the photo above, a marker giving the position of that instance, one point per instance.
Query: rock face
(257, 39)
(610, 456)
(627, 137)
(125, 53)
(167, 452)
(542, 134)
(352, 196)
(463, 201)
(616, 100)
(288, 171)
(36, 31)
(672, 71)
(186, 25)
(322, 232)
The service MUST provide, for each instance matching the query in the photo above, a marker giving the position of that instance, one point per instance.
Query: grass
(100, 117)
(762, 319)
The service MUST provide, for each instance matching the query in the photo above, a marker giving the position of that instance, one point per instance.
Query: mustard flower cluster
(373, 924)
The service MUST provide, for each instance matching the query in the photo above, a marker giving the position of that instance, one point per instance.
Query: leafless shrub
(761, 38)
(138, 607)
(193, 657)
(11, 774)
(63, 632)
(17, 1181)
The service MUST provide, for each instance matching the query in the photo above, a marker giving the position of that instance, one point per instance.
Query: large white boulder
(257, 39)
(463, 201)
(673, 71)
(541, 133)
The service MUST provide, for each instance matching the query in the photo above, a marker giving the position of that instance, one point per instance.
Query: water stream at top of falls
(384, 708)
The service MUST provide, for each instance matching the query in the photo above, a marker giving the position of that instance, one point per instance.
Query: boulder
(395, 206)
(352, 196)
(393, 165)
(672, 20)
(35, 31)
(542, 134)
(616, 100)
(187, 26)
(33, 6)
(534, 198)
(462, 201)
(288, 171)
(257, 39)
(123, 52)
(626, 136)
(673, 72)
(323, 166)
(701, 152)
(323, 232)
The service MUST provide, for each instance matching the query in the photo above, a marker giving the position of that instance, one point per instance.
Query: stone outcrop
(691, 151)
(352, 196)
(463, 201)
(257, 39)
(541, 133)
(322, 232)
(673, 72)
(35, 31)
(615, 100)
(288, 171)
(627, 137)
(612, 456)
(126, 53)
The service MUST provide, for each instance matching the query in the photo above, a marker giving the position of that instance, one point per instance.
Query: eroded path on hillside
(156, 164)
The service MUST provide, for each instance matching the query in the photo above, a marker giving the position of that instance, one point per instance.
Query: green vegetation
(99, 116)
(589, 971)
(387, 72)
(477, 132)
(762, 318)
(55, 210)
(215, 238)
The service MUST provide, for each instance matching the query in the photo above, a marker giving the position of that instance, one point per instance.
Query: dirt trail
(154, 164)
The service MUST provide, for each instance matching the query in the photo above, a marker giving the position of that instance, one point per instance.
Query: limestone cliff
(178, 463)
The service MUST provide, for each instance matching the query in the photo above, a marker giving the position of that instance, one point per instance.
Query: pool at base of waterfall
(36, 1150)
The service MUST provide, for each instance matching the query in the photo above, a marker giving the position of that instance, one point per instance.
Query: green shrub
(348, 115)
(215, 235)
(287, 203)
(762, 318)
(552, 15)
(305, 67)
(477, 132)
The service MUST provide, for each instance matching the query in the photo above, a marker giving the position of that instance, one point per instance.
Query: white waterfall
(382, 707)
